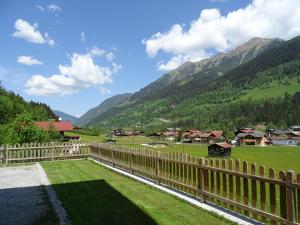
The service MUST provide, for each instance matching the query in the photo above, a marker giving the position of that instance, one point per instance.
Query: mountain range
(65, 116)
(215, 92)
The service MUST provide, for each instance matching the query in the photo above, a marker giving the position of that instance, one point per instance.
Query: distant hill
(106, 105)
(258, 81)
(65, 116)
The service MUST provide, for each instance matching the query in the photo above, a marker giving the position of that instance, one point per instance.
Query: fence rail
(43, 151)
(247, 189)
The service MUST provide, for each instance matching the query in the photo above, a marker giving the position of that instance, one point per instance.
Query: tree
(23, 130)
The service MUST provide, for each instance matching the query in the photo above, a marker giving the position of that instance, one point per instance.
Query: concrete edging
(56, 203)
(227, 214)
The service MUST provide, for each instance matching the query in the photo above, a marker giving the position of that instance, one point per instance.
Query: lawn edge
(210, 208)
(54, 200)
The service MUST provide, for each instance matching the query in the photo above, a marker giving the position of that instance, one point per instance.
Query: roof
(246, 131)
(217, 133)
(59, 126)
(286, 138)
(295, 133)
(223, 145)
(205, 135)
(254, 134)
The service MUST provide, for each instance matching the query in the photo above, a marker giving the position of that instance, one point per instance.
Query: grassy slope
(92, 194)
(272, 90)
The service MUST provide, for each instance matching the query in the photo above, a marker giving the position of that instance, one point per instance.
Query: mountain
(199, 74)
(258, 82)
(65, 116)
(102, 108)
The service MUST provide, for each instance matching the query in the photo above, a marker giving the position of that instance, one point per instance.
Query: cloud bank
(261, 18)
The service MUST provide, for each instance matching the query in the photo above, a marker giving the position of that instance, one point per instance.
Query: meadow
(278, 157)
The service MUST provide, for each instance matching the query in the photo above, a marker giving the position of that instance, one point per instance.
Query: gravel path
(23, 198)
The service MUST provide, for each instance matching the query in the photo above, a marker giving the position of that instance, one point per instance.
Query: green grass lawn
(94, 195)
(278, 157)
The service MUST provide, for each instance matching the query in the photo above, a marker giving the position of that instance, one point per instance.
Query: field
(278, 157)
(92, 194)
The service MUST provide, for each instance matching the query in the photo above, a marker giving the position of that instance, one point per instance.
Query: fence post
(131, 162)
(5, 154)
(291, 196)
(201, 179)
(52, 151)
(157, 167)
(113, 156)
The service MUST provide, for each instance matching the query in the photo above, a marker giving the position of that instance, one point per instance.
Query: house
(118, 132)
(219, 149)
(188, 135)
(243, 130)
(292, 141)
(60, 126)
(170, 135)
(253, 138)
(217, 134)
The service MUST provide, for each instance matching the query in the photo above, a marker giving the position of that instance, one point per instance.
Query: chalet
(244, 130)
(253, 138)
(118, 132)
(170, 135)
(188, 135)
(292, 141)
(219, 149)
(60, 126)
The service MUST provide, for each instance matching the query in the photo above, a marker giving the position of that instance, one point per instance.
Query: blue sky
(74, 54)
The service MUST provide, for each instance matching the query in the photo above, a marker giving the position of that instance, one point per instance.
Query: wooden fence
(246, 189)
(43, 151)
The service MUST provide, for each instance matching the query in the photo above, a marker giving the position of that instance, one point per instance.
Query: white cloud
(40, 7)
(82, 37)
(81, 73)
(110, 56)
(261, 18)
(54, 8)
(28, 60)
(104, 91)
(30, 33)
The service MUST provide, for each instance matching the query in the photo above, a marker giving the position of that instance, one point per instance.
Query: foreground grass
(92, 194)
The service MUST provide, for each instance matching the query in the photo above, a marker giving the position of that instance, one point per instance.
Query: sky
(74, 54)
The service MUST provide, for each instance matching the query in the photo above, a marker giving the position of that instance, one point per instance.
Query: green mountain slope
(106, 105)
(12, 105)
(262, 89)
(65, 116)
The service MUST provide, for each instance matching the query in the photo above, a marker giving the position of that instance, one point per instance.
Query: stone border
(56, 203)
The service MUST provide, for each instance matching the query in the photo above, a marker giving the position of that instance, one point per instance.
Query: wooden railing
(246, 189)
(43, 151)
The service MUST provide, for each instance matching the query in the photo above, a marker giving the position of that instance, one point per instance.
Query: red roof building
(60, 126)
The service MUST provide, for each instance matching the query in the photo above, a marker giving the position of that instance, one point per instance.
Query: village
(242, 136)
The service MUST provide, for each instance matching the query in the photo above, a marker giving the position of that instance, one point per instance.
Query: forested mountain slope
(262, 89)
(103, 107)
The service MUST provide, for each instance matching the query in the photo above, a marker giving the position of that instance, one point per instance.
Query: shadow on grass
(97, 203)
(88, 202)
(26, 205)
